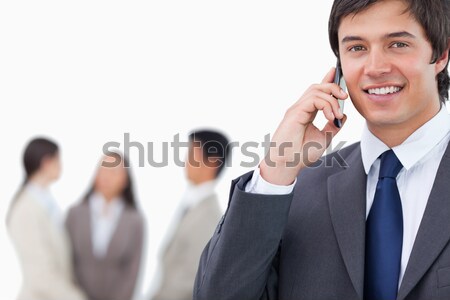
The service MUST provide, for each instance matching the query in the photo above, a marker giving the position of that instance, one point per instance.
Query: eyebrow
(404, 34)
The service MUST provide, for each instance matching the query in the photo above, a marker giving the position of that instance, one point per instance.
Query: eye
(356, 48)
(399, 45)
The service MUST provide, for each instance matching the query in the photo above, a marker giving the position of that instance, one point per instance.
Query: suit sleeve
(241, 259)
(40, 271)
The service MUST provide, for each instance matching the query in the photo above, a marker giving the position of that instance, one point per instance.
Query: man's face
(194, 162)
(385, 59)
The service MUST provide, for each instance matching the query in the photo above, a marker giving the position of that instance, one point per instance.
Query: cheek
(352, 72)
(411, 70)
(105, 179)
(416, 68)
(118, 181)
(100, 180)
(352, 79)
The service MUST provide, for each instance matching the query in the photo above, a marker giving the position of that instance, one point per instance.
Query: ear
(442, 61)
(198, 153)
(46, 160)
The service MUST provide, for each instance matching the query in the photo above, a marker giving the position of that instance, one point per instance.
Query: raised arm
(241, 259)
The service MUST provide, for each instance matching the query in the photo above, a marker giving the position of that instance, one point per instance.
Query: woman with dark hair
(34, 224)
(107, 232)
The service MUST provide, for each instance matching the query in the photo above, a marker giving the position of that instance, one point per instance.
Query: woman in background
(107, 231)
(34, 224)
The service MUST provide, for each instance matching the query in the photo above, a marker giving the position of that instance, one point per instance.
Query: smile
(383, 90)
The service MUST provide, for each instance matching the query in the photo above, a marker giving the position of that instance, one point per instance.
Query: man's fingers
(333, 102)
(326, 107)
(328, 88)
(330, 127)
(330, 76)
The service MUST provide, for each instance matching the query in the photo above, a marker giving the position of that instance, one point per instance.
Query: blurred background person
(107, 233)
(198, 215)
(35, 226)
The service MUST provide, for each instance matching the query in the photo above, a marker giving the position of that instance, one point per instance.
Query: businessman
(199, 214)
(371, 221)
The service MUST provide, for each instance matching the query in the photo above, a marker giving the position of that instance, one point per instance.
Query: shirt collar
(98, 205)
(195, 193)
(414, 148)
(43, 196)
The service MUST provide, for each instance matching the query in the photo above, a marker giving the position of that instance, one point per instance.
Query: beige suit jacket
(112, 277)
(182, 254)
(43, 252)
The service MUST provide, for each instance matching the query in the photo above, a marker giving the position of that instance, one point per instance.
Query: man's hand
(297, 143)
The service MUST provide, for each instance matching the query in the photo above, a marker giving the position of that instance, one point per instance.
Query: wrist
(277, 174)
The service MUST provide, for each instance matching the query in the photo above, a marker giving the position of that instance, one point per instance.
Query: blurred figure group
(96, 253)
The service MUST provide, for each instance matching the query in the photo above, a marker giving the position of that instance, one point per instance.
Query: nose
(377, 63)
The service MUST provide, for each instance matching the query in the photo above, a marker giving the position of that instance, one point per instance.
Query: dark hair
(36, 150)
(432, 15)
(127, 193)
(214, 145)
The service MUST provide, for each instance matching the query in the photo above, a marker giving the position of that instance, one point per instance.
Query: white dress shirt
(196, 193)
(105, 217)
(420, 155)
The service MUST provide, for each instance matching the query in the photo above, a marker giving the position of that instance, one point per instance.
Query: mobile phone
(339, 80)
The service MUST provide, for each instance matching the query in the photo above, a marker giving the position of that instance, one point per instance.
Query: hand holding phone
(282, 164)
(339, 80)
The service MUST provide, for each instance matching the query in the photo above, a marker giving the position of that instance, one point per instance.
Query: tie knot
(390, 166)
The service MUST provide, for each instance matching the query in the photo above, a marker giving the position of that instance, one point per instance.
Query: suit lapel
(347, 200)
(115, 246)
(86, 227)
(432, 235)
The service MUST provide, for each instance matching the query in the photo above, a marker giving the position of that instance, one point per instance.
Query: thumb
(331, 128)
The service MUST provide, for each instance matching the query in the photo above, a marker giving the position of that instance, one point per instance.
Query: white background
(86, 72)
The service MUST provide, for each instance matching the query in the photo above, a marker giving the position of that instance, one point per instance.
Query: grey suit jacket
(310, 244)
(114, 276)
(182, 254)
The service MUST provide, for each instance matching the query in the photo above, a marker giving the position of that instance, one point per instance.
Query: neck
(204, 177)
(395, 134)
(40, 180)
(108, 197)
(196, 183)
(392, 137)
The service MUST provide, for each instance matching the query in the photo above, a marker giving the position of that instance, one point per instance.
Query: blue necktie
(384, 234)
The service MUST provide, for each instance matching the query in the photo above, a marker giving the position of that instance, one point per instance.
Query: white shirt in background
(105, 217)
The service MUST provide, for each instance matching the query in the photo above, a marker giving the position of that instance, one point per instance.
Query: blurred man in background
(197, 216)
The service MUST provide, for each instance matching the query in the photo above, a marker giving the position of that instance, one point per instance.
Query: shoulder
(25, 214)
(77, 209)
(24, 205)
(205, 212)
(74, 213)
(209, 204)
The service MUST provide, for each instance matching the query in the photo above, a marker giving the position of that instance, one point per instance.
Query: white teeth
(384, 90)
